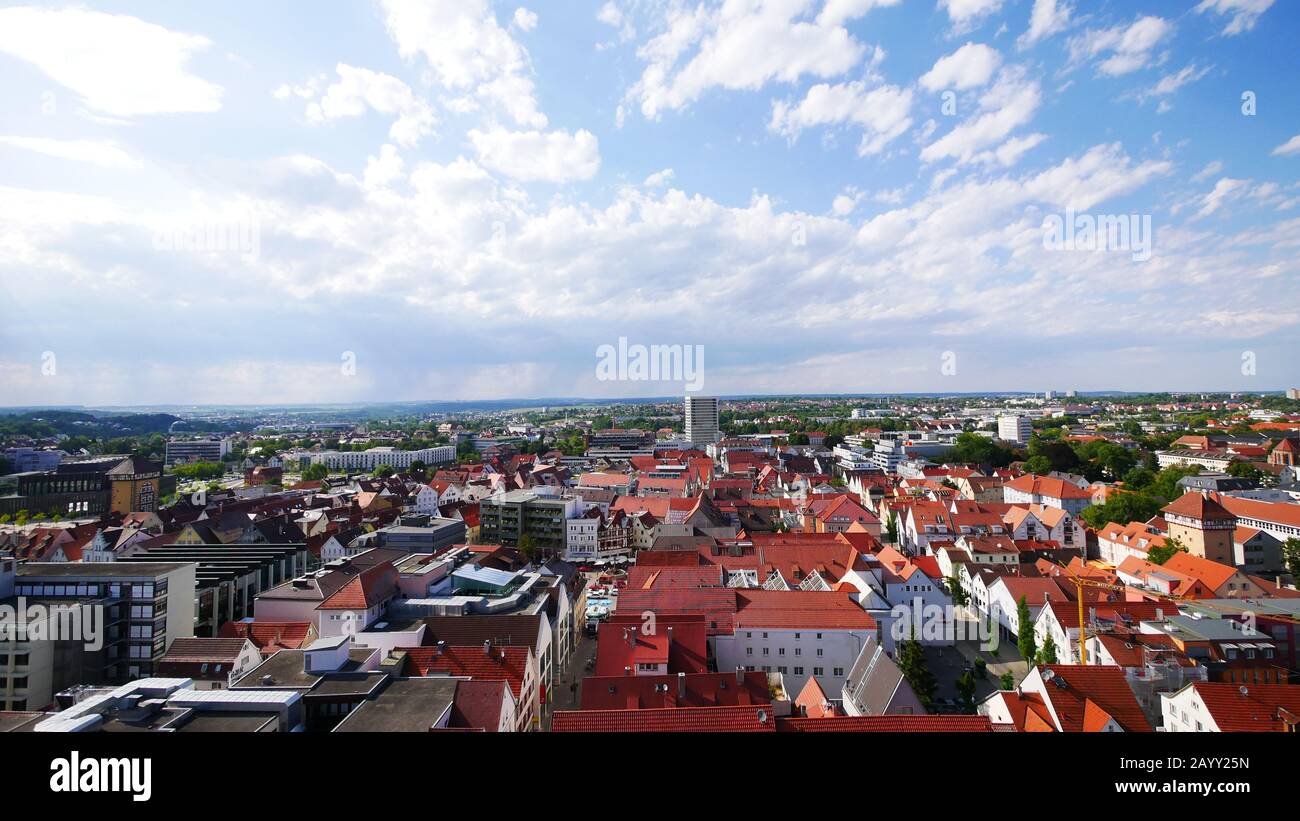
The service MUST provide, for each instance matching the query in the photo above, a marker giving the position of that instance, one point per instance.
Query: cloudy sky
(461, 199)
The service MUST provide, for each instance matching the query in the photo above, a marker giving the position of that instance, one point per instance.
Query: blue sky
(400, 200)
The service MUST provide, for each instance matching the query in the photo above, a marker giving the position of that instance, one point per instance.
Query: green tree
(1025, 638)
(966, 692)
(1047, 653)
(1291, 556)
(1007, 681)
(960, 598)
(1245, 470)
(912, 664)
(1038, 464)
(1161, 553)
(315, 472)
(891, 530)
(527, 547)
(384, 471)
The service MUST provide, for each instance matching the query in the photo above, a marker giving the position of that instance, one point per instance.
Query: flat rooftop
(411, 705)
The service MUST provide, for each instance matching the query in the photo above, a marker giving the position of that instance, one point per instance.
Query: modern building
(505, 519)
(182, 451)
(370, 460)
(1014, 428)
(701, 419)
(28, 460)
(86, 488)
(136, 610)
(620, 444)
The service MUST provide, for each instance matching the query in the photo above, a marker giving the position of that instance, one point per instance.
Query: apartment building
(114, 622)
(182, 451)
(701, 420)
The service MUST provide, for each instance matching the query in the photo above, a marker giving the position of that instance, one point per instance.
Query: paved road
(568, 687)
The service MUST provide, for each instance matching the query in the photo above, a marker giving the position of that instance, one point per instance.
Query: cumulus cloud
(359, 89)
(1048, 17)
(1010, 103)
(970, 66)
(741, 46)
(467, 52)
(119, 65)
(881, 111)
(535, 156)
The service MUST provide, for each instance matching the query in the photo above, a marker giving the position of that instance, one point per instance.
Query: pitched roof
(204, 651)
(1072, 688)
(1251, 708)
(1195, 505)
(1213, 574)
(888, 724)
(372, 587)
(269, 637)
(795, 609)
(507, 664)
(1047, 486)
(676, 690)
(751, 719)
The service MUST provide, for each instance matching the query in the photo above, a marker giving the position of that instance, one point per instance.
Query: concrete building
(701, 419)
(115, 621)
(367, 461)
(1014, 428)
(181, 451)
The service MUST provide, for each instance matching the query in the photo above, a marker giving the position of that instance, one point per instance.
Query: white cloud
(1245, 13)
(1009, 104)
(1225, 190)
(359, 88)
(1126, 48)
(970, 66)
(965, 13)
(119, 65)
(1286, 149)
(103, 153)
(1047, 18)
(660, 178)
(837, 11)
(467, 51)
(1208, 171)
(524, 19)
(739, 46)
(1170, 83)
(882, 112)
(534, 156)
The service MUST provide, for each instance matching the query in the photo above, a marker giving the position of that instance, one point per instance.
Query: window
(817, 671)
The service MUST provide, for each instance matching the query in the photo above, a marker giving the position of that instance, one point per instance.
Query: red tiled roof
(684, 690)
(507, 664)
(1047, 486)
(1073, 687)
(794, 609)
(269, 637)
(752, 719)
(1197, 506)
(1261, 708)
(372, 587)
(887, 724)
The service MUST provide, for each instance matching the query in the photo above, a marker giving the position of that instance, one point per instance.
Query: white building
(370, 460)
(701, 419)
(181, 451)
(1013, 428)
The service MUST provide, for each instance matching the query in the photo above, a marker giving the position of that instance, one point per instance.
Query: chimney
(681, 686)
(487, 647)
(442, 646)
(740, 675)
(627, 671)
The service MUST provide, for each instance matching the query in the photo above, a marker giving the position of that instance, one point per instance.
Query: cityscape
(597, 370)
